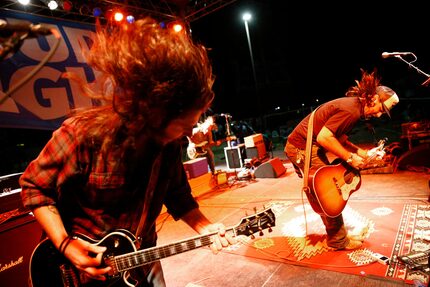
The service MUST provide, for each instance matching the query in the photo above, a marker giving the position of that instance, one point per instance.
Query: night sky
(303, 51)
(306, 51)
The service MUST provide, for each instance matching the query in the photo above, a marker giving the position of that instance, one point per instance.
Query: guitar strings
(141, 257)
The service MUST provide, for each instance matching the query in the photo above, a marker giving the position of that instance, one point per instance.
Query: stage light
(24, 2)
(52, 4)
(176, 26)
(67, 5)
(97, 12)
(118, 16)
(130, 19)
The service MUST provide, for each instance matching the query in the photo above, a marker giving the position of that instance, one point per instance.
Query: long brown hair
(149, 75)
(365, 89)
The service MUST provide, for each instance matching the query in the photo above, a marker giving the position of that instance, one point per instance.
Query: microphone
(225, 115)
(395, 54)
(8, 28)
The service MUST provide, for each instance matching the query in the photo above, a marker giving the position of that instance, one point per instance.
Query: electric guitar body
(49, 268)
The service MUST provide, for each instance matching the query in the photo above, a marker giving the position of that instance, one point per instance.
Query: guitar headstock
(256, 223)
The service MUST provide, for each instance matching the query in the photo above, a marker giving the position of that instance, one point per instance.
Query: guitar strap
(149, 194)
(308, 152)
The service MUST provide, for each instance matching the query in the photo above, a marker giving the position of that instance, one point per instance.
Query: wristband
(61, 247)
(67, 244)
(66, 241)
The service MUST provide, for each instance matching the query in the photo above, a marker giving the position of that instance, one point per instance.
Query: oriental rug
(389, 228)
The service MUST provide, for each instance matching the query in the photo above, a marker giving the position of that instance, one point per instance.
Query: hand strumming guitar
(87, 258)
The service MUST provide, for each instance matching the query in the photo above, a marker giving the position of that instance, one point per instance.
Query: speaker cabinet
(18, 238)
(270, 169)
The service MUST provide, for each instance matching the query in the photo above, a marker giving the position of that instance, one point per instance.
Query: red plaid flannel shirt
(90, 190)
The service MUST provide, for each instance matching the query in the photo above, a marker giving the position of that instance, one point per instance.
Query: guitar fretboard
(132, 260)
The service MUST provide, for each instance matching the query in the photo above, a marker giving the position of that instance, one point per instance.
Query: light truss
(163, 10)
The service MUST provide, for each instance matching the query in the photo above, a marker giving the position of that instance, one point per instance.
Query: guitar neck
(135, 259)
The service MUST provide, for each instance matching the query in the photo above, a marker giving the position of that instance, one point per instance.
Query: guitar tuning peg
(252, 236)
(270, 229)
(261, 233)
(255, 209)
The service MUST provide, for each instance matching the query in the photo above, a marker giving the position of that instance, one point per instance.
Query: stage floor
(230, 203)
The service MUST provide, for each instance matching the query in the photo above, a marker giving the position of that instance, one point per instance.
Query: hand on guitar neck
(374, 155)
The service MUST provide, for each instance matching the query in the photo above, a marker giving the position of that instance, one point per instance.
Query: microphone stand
(426, 82)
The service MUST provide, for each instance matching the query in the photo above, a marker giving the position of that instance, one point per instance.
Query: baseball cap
(388, 98)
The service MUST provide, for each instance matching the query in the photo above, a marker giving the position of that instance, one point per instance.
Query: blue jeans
(334, 226)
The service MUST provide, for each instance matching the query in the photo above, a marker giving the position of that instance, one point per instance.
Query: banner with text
(45, 100)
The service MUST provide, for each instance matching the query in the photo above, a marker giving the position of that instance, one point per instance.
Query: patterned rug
(390, 229)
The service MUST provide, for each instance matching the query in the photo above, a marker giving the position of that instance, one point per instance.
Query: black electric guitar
(48, 268)
(333, 184)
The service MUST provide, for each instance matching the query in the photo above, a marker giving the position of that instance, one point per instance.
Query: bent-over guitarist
(333, 121)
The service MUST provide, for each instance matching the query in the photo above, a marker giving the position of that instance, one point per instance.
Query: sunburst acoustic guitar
(333, 184)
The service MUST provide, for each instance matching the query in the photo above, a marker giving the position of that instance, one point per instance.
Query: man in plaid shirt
(114, 166)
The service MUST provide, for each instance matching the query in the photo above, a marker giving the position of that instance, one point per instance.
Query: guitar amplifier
(10, 193)
(19, 236)
(255, 142)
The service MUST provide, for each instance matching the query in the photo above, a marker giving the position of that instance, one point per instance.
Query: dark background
(305, 54)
